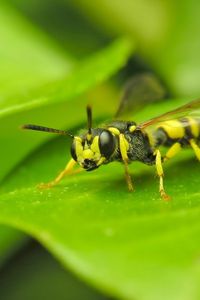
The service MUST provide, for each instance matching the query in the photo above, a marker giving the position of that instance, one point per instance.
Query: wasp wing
(190, 109)
(139, 90)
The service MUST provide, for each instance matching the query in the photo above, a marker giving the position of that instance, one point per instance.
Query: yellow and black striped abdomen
(182, 130)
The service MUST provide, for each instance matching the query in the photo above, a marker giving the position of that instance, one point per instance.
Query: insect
(126, 141)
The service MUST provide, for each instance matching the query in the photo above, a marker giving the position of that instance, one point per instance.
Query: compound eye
(73, 151)
(106, 143)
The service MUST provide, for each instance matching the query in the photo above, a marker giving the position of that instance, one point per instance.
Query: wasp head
(93, 149)
(89, 150)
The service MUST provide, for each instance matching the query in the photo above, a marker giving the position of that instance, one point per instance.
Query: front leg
(69, 169)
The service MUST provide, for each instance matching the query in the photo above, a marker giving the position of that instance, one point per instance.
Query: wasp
(126, 141)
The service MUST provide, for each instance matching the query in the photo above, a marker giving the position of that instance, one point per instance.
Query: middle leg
(123, 145)
(160, 173)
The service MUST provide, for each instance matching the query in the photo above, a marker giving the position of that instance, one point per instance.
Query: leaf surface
(130, 245)
(10, 241)
(28, 57)
(86, 75)
(167, 34)
(35, 274)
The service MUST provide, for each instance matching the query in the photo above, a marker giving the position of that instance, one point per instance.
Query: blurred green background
(55, 57)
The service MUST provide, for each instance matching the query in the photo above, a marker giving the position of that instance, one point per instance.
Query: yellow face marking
(89, 137)
(114, 130)
(95, 144)
(77, 138)
(91, 152)
(87, 154)
(173, 129)
(95, 148)
(132, 128)
(102, 159)
(78, 146)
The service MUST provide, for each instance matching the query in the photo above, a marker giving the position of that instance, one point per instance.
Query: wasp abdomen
(181, 130)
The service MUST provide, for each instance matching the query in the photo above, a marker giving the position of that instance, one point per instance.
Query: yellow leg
(68, 170)
(123, 145)
(173, 150)
(160, 173)
(196, 148)
(128, 177)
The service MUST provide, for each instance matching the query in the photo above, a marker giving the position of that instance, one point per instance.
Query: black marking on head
(89, 165)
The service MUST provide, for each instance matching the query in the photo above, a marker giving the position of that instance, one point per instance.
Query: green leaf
(66, 24)
(130, 245)
(167, 34)
(10, 241)
(34, 274)
(86, 75)
(28, 57)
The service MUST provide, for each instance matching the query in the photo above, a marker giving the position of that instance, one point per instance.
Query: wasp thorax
(91, 151)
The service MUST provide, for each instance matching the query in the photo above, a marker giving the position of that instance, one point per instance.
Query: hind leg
(173, 150)
(196, 148)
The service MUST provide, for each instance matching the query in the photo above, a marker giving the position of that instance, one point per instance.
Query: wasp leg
(196, 148)
(173, 150)
(68, 170)
(123, 149)
(160, 173)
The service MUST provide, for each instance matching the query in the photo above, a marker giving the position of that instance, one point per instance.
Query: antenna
(89, 119)
(46, 129)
